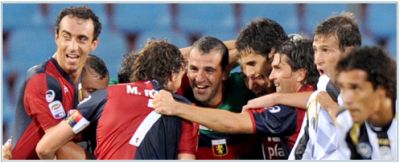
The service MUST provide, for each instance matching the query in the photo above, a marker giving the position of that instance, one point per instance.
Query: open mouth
(72, 56)
(321, 71)
(201, 88)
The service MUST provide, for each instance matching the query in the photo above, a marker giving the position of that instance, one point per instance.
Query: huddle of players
(320, 99)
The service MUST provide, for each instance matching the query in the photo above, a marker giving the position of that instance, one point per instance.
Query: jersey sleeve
(189, 137)
(189, 133)
(92, 106)
(278, 120)
(43, 96)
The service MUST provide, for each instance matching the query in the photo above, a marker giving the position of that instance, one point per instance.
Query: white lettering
(275, 152)
(132, 90)
(149, 93)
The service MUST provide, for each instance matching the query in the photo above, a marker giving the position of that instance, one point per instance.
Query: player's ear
(301, 75)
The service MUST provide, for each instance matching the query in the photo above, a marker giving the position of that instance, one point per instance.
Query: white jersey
(317, 139)
(371, 149)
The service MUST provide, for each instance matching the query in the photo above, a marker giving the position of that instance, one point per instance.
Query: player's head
(94, 75)
(334, 38)
(126, 67)
(207, 61)
(256, 45)
(292, 66)
(367, 79)
(76, 35)
(160, 61)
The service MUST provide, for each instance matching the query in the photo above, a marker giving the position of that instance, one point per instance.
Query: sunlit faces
(206, 76)
(256, 70)
(358, 94)
(284, 78)
(327, 54)
(74, 43)
(91, 81)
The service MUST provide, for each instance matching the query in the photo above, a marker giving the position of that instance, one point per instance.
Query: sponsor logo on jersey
(50, 95)
(274, 109)
(274, 148)
(219, 147)
(364, 149)
(57, 110)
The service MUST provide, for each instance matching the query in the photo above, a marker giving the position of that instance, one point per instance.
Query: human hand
(328, 104)
(6, 153)
(164, 103)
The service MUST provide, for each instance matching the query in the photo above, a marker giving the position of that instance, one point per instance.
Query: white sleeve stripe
(143, 128)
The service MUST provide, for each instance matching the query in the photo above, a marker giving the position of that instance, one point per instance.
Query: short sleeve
(43, 101)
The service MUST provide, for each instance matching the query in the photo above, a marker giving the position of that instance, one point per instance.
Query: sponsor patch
(364, 149)
(50, 95)
(57, 110)
(274, 109)
(219, 147)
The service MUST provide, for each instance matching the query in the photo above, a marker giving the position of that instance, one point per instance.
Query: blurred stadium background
(28, 36)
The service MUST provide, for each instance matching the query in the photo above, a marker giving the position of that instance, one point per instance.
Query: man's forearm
(54, 139)
(215, 119)
(298, 100)
(71, 151)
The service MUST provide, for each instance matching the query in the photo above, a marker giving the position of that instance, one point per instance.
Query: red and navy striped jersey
(45, 99)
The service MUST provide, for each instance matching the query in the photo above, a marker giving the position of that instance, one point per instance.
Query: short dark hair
(344, 27)
(207, 43)
(300, 55)
(97, 64)
(261, 35)
(82, 12)
(157, 61)
(126, 70)
(380, 68)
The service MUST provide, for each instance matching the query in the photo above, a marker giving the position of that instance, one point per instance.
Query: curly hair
(82, 12)
(126, 70)
(301, 56)
(380, 68)
(261, 35)
(344, 27)
(157, 61)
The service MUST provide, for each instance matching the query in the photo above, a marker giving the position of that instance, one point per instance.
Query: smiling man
(292, 71)
(50, 90)
(211, 87)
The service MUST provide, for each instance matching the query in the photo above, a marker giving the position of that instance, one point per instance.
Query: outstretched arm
(215, 119)
(298, 100)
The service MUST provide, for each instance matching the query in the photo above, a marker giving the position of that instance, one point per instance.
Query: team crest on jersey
(365, 150)
(219, 147)
(50, 95)
(57, 110)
